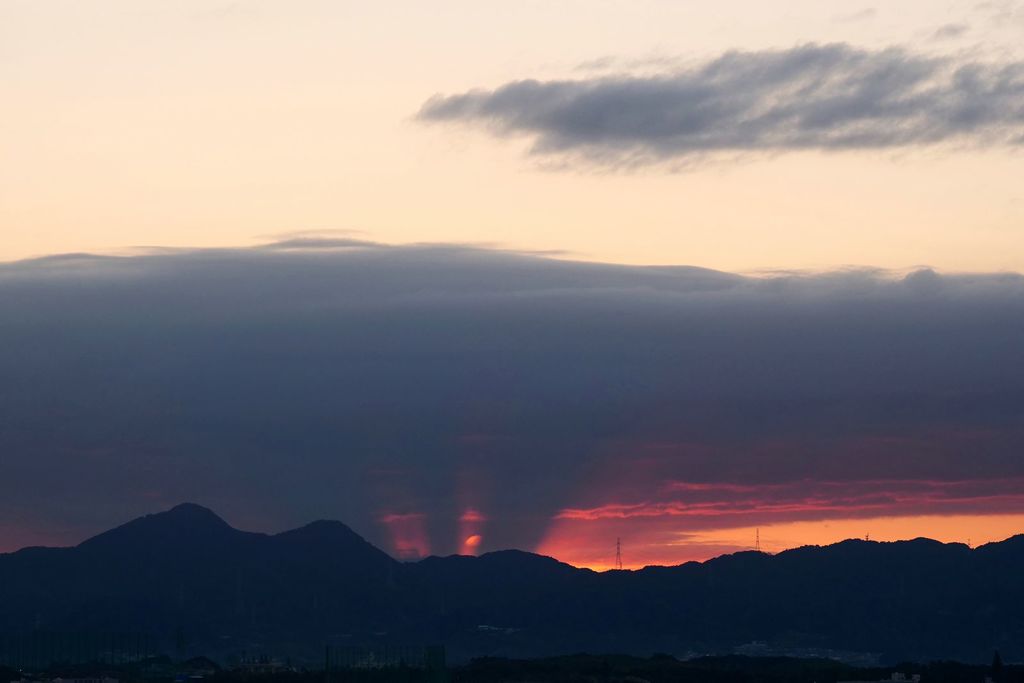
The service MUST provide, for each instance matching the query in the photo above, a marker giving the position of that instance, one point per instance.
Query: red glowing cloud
(408, 535)
(471, 524)
(472, 516)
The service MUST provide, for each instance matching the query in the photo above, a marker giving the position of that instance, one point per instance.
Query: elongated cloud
(820, 97)
(730, 504)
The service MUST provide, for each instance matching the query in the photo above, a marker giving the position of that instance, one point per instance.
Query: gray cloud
(320, 242)
(282, 385)
(950, 31)
(821, 97)
(860, 15)
(1002, 13)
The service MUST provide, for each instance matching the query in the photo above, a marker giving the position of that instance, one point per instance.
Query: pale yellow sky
(187, 123)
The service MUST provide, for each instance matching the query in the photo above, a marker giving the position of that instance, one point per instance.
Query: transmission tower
(618, 553)
(757, 539)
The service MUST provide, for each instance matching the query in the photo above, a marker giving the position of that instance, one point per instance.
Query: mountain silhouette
(188, 570)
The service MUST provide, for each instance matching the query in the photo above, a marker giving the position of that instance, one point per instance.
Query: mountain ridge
(323, 582)
(193, 512)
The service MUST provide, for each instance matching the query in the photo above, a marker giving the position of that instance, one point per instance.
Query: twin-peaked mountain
(186, 570)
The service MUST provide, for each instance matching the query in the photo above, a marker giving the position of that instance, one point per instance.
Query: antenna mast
(757, 539)
(618, 553)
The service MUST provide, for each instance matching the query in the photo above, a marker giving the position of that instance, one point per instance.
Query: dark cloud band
(417, 391)
(813, 97)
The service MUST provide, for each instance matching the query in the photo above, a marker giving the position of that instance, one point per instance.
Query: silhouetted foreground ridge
(186, 570)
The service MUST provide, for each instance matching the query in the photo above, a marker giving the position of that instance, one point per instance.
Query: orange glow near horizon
(592, 545)
(669, 521)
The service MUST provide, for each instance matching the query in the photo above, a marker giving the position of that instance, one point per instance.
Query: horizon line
(600, 569)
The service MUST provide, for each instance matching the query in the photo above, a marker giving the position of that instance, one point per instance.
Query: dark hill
(185, 525)
(231, 590)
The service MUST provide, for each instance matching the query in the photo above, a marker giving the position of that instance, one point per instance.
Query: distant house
(263, 665)
(387, 657)
(199, 667)
(895, 678)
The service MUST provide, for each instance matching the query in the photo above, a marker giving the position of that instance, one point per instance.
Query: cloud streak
(722, 504)
(832, 97)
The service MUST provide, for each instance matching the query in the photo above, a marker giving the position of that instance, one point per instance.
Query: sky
(472, 274)
(205, 123)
